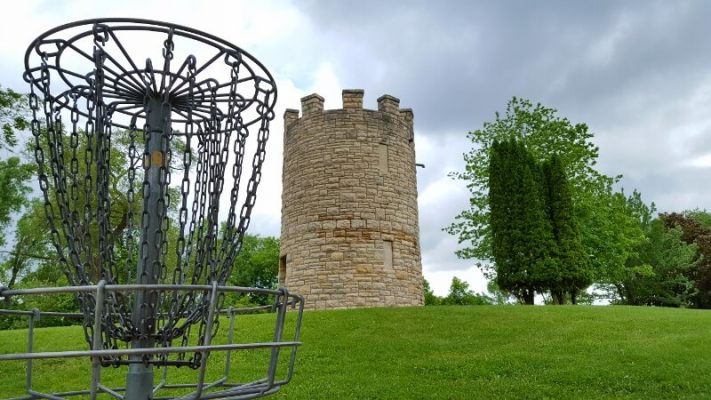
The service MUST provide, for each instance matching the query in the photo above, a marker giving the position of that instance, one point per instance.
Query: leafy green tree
(573, 274)
(544, 134)
(14, 189)
(460, 294)
(430, 298)
(46, 273)
(458, 289)
(694, 232)
(523, 244)
(14, 114)
(671, 260)
(498, 295)
(31, 245)
(31, 263)
(81, 186)
(621, 220)
(257, 265)
(82, 193)
(703, 217)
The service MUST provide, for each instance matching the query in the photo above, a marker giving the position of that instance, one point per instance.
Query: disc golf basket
(140, 164)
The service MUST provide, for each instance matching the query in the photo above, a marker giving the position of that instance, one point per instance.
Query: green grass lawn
(482, 352)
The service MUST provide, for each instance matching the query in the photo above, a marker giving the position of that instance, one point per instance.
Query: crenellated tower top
(312, 105)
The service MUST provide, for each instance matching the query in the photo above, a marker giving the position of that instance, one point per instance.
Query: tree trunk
(558, 297)
(621, 292)
(528, 296)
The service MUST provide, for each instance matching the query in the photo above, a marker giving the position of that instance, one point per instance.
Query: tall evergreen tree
(504, 235)
(522, 240)
(540, 246)
(573, 273)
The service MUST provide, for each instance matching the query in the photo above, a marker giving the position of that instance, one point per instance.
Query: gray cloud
(613, 65)
(459, 62)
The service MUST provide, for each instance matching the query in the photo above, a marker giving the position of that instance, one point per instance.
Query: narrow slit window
(282, 271)
(388, 255)
(383, 158)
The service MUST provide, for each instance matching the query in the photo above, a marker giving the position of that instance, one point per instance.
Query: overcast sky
(637, 72)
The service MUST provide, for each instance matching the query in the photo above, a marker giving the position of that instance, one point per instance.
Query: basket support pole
(139, 382)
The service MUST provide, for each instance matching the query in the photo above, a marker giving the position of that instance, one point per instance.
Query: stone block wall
(350, 231)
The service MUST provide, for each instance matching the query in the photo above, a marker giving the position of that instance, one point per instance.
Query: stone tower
(349, 227)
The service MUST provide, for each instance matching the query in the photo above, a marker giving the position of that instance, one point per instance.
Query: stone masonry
(350, 231)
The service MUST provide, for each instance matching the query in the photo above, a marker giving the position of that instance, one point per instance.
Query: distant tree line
(459, 295)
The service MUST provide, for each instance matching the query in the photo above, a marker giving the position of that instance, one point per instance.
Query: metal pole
(208, 340)
(230, 339)
(282, 302)
(139, 382)
(30, 339)
(96, 340)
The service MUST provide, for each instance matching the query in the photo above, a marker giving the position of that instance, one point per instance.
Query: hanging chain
(238, 149)
(94, 206)
(266, 114)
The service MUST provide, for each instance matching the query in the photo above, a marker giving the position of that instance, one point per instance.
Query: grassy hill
(484, 352)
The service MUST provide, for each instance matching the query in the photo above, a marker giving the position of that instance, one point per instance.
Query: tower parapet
(350, 231)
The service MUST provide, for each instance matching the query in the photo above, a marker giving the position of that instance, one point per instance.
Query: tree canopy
(14, 112)
(544, 134)
(257, 265)
(31, 243)
(668, 262)
(695, 230)
(14, 189)
(14, 173)
(607, 231)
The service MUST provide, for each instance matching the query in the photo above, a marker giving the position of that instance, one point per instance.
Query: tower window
(383, 158)
(388, 255)
(282, 271)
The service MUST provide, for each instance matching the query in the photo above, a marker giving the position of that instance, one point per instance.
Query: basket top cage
(185, 115)
(140, 165)
(217, 69)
